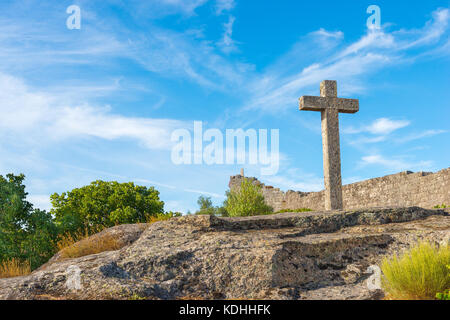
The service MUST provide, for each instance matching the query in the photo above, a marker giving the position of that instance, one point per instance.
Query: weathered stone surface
(320, 255)
(330, 106)
(423, 189)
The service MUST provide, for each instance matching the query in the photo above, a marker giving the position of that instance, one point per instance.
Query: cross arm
(312, 103)
(347, 105)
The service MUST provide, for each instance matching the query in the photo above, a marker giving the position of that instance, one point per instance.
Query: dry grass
(418, 274)
(14, 268)
(161, 217)
(81, 244)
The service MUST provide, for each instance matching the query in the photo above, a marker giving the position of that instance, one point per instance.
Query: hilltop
(313, 255)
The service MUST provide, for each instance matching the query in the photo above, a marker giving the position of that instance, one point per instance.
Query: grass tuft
(14, 268)
(418, 274)
(81, 244)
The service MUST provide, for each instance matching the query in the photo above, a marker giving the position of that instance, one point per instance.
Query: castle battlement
(422, 189)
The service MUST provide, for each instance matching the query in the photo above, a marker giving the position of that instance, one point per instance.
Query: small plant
(294, 210)
(442, 206)
(135, 296)
(419, 273)
(162, 217)
(446, 294)
(14, 268)
(246, 201)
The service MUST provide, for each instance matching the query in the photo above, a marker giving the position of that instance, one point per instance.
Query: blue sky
(101, 102)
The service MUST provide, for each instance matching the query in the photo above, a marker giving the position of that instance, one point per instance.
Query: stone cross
(330, 105)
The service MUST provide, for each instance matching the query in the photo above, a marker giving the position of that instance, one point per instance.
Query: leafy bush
(206, 207)
(105, 204)
(246, 201)
(419, 273)
(25, 233)
(14, 268)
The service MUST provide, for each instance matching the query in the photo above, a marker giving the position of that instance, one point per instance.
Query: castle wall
(422, 189)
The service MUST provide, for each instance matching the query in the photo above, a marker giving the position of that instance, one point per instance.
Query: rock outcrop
(314, 255)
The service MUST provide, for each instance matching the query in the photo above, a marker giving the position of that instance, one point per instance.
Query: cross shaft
(330, 106)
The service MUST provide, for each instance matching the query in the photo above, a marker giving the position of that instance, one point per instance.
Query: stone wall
(422, 189)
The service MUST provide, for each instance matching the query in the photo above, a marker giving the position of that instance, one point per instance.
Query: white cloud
(274, 92)
(160, 8)
(386, 126)
(381, 126)
(41, 116)
(224, 5)
(432, 31)
(165, 52)
(40, 201)
(416, 136)
(287, 94)
(215, 195)
(328, 34)
(175, 55)
(227, 44)
(395, 164)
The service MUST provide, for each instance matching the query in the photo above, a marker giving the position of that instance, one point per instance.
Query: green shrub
(442, 206)
(419, 273)
(105, 204)
(206, 207)
(246, 201)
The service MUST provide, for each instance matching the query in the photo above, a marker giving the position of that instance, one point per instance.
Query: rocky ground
(319, 255)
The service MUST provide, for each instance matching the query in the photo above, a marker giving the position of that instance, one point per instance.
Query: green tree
(105, 204)
(206, 207)
(25, 233)
(246, 201)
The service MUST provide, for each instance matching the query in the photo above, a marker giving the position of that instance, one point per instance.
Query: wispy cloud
(227, 44)
(375, 50)
(44, 117)
(421, 135)
(224, 5)
(201, 192)
(394, 164)
(167, 53)
(382, 126)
